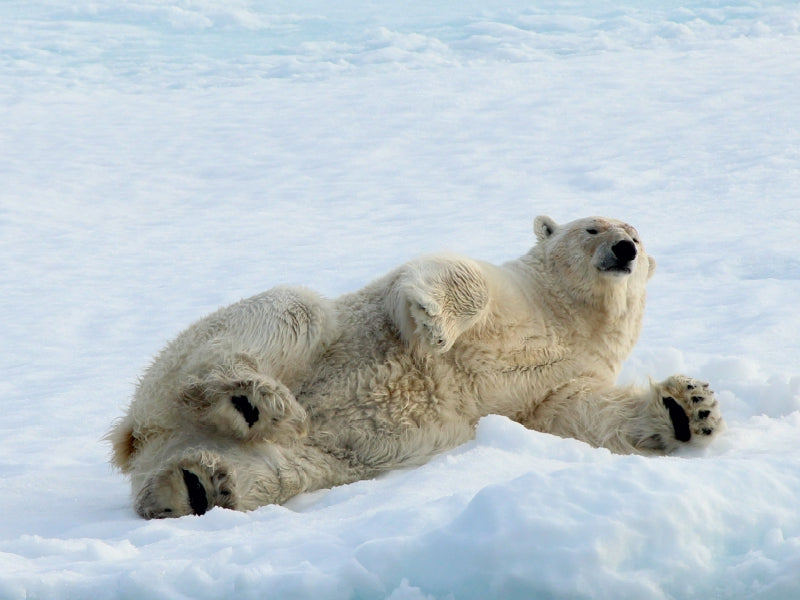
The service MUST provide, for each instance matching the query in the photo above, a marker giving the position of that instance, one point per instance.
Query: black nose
(624, 250)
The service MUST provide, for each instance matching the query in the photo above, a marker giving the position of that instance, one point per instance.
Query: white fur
(286, 392)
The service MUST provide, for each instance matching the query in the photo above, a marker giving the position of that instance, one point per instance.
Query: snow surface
(160, 158)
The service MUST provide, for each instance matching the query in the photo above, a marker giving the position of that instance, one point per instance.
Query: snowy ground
(159, 158)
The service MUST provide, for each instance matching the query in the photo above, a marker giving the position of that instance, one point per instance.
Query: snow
(160, 158)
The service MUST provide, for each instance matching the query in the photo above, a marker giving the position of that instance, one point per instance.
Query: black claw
(680, 422)
(703, 414)
(707, 431)
(697, 399)
(197, 493)
(249, 412)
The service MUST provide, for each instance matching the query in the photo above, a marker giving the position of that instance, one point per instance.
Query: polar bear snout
(625, 251)
(617, 258)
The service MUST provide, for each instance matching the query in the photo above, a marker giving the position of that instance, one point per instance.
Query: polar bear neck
(596, 309)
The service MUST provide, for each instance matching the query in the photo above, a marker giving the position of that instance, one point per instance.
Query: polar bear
(287, 392)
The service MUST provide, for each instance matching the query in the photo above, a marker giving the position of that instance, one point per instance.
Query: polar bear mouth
(617, 269)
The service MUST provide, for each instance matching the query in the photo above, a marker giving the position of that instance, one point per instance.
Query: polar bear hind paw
(191, 486)
(267, 409)
(250, 410)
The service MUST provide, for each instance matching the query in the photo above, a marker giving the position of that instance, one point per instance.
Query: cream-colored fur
(287, 392)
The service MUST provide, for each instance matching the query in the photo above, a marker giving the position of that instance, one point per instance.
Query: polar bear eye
(591, 231)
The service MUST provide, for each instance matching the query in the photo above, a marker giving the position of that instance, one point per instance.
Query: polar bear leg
(193, 478)
(237, 379)
(679, 411)
(434, 300)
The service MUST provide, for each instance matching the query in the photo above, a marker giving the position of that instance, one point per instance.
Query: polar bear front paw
(434, 329)
(252, 410)
(686, 413)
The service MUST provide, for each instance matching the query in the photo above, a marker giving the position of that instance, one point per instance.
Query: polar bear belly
(383, 408)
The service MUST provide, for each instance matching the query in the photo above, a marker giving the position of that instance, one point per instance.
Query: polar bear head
(594, 259)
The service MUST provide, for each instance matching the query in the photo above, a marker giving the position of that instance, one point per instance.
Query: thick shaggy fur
(287, 392)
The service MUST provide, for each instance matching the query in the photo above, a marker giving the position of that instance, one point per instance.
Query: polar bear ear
(544, 227)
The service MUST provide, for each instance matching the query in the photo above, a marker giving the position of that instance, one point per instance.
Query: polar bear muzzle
(618, 259)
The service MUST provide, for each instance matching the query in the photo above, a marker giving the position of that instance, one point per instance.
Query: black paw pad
(697, 399)
(704, 414)
(680, 421)
(249, 412)
(197, 493)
